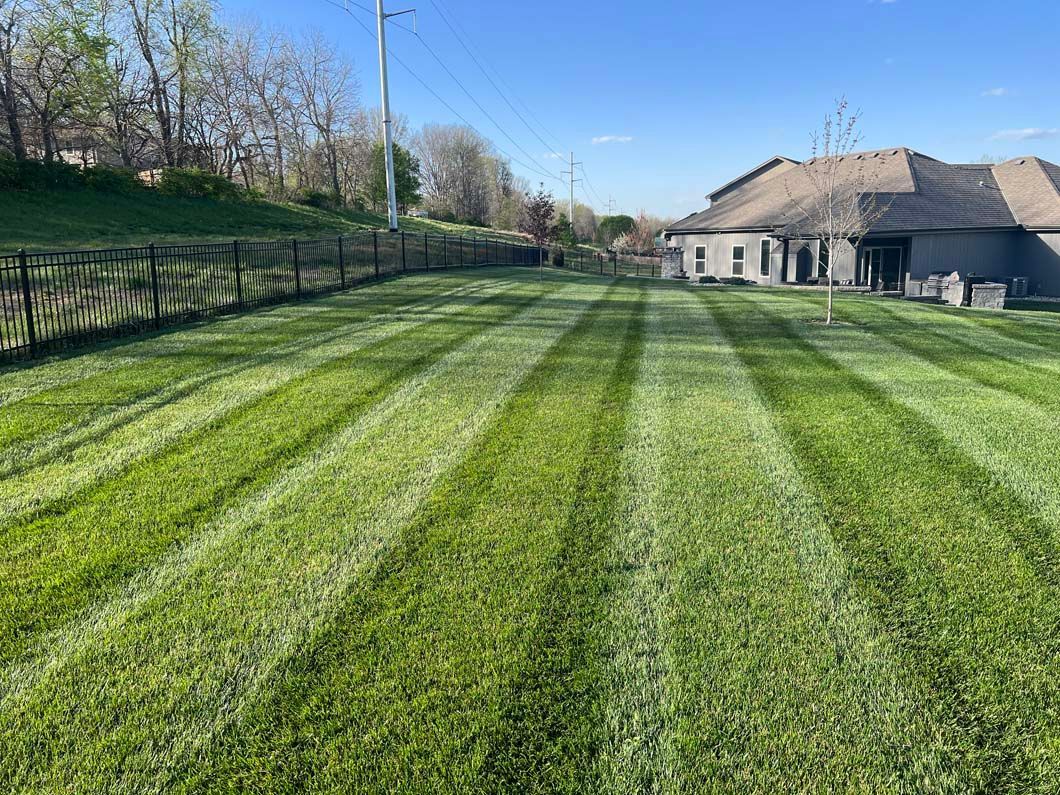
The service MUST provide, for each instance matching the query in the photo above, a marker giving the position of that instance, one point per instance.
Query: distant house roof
(923, 194)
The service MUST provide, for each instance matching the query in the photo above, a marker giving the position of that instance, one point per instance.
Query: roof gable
(1032, 189)
(777, 164)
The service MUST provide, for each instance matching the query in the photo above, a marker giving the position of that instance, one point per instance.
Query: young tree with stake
(835, 195)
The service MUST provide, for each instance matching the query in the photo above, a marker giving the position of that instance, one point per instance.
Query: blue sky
(680, 97)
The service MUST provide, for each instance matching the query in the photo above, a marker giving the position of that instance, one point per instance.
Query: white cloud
(612, 139)
(552, 156)
(1026, 134)
(994, 92)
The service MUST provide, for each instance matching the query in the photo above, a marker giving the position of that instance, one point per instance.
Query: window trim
(742, 260)
(768, 259)
(697, 260)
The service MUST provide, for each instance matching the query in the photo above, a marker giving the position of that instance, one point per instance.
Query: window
(701, 259)
(763, 259)
(737, 260)
(822, 270)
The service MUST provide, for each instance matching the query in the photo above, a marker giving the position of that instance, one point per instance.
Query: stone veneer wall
(673, 263)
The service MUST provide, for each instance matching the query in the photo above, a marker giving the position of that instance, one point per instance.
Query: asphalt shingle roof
(923, 194)
(1032, 188)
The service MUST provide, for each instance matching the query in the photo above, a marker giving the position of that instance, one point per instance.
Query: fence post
(375, 251)
(156, 298)
(426, 254)
(239, 273)
(27, 301)
(297, 268)
(403, 265)
(600, 259)
(342, 264)
(445, 250)
(462, 250)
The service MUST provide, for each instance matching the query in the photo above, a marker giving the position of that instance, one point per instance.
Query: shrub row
(733, 280)
(32, 175)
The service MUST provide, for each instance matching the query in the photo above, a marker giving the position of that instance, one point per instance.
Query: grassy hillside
(45, 220)
(483, 531)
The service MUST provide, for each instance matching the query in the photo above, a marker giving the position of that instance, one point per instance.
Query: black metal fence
(56, 300)
(604, 264)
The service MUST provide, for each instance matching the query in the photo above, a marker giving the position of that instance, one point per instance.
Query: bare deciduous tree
(835, 194)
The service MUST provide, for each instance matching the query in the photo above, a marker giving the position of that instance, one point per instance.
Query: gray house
(1000, 221)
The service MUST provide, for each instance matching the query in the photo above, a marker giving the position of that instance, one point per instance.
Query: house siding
(992, 254)
(984, 253)
(1039, 259)
(719, 254)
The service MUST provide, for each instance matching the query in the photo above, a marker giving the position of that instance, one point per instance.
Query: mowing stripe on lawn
(637, 754)
(29, 379)
(1012, 438)
(551, 729)
(1042, 355)
(405, 687)
(115, 397)
(55, 563)
(1026, 377)
(104, 448)
(946, 558)
(233, 616)
(742, 655)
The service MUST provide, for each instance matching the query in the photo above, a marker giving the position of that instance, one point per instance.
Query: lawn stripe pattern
(102, 448)
(1009, 436)
(59, 418)
(947, 559)
(450, 618)
(363, 486)
(493, 531)
(772, 669)
(56, 561)
(255, 330)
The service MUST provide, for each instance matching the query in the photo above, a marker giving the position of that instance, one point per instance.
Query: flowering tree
(537, 220)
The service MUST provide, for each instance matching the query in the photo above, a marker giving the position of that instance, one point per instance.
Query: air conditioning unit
(1017, 286)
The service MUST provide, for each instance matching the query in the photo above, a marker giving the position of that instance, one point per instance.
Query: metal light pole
(388, 135)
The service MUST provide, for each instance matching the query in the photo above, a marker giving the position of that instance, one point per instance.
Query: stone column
(673, 263)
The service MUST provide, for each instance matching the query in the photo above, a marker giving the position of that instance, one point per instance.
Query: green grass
(62, 219)
(480, 531)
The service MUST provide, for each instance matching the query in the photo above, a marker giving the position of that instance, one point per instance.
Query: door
(882, 267)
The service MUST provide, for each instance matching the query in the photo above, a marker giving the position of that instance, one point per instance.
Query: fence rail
(609, 264)
(61, 299)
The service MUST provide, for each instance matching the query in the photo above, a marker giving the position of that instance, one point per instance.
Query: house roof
(923, 194)
(767, 165)
(1031, 187)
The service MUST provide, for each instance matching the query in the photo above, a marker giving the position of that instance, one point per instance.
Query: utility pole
(572, 181)
(388, 133)
(610, 205)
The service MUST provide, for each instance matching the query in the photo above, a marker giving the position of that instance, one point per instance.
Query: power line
(507, 85)
(478, 105)
(589, 182)
(482, 69)
(435, 94)
(345, 6)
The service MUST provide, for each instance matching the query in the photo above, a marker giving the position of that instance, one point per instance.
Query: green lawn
(478, 531)
(61, 219)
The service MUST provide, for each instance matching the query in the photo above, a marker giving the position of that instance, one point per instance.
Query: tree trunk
(828, 319)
